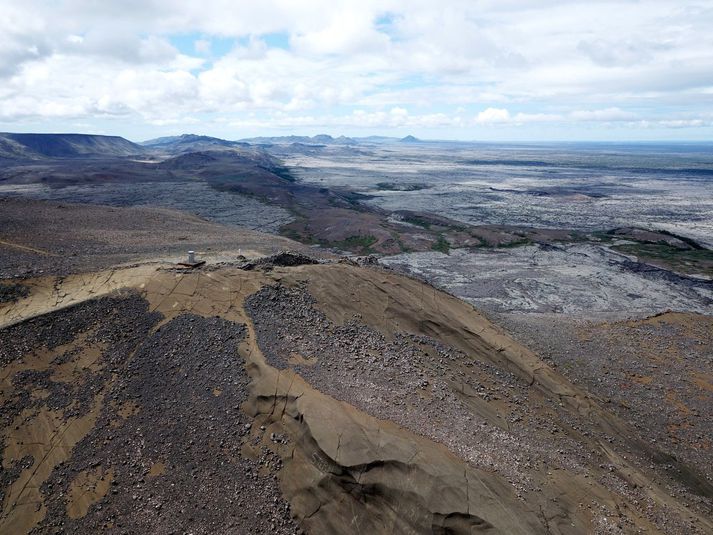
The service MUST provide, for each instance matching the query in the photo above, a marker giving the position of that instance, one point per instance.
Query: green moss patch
(441, 245)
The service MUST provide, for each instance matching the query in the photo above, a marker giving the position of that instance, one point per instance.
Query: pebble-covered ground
(482, 413)
(41, 238)
(655, 373)
(10, 292)
(165, 454)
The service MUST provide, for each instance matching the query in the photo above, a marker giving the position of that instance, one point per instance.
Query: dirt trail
(26, 248)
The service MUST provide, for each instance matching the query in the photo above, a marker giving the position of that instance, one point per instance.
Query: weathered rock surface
(380, 404)
(283, 258)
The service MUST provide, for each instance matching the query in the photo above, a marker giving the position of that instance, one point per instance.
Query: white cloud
(349, 32)
(503, 116)
(537, 117)
(620, 52)
(395, 118)
(493, 115)
(608, 114)
(512, 63)
(23, 39)
(684, 123)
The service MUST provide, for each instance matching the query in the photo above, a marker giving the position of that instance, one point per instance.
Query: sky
(484, 70)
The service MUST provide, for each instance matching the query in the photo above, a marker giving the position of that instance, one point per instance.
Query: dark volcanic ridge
(41, 146)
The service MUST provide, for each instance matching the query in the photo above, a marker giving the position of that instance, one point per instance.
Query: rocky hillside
(191, 143)
(286, 395)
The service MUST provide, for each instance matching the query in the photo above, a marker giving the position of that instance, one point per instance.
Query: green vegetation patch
(688, 241)
(664, 255)
(602, 236)
(515, 243)
(300, 236)
(359, 244)
(441, 245)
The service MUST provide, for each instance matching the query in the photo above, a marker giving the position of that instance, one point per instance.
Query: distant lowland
(393, 196)
(630, 213)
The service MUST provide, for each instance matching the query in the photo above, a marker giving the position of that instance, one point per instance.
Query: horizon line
(396, 138)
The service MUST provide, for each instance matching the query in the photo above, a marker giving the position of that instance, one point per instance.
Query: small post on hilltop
(191, 263)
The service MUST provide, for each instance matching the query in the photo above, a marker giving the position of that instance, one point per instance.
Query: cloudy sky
(446, 69)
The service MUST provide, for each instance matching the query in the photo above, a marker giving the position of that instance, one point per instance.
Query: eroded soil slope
(145, 399)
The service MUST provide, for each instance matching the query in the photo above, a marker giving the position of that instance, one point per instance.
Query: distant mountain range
(66, 146)
(44, 146)
(324, 139)
(320, 139)
(192, 143)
